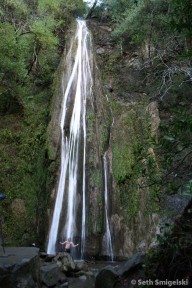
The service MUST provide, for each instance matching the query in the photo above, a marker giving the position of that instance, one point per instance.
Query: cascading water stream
(109, 248)
(75, 95)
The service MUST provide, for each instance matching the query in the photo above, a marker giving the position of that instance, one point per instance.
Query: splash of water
(109, 248)
(76, 93)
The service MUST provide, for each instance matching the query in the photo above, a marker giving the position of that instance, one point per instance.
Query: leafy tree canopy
(30, 31)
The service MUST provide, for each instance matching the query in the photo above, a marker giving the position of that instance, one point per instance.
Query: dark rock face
(125, 84)
(51, 274)
(23, 267)
(133, 262)
(109, 276)
(122, 75)
(106, 278)
(19, 267)
(65, 261)
(176, 204)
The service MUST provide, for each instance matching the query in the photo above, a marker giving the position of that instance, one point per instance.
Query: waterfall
(73, 141)
(109, 248)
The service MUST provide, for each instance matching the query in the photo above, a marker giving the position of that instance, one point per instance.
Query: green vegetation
(134, 168)
(150, 25)
(145, 27)
(172, 257)
(96, 179)
(137, 21)
(32, 39)
(148, 15)
(160, 32)
(122, 162)
(31, 42)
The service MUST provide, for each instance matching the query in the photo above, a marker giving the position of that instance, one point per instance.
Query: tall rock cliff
(121, 122)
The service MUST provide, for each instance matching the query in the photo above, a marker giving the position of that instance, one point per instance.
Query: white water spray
(109, 248)
(78, 90)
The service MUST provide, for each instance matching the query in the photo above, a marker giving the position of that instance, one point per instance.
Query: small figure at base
(68, 244)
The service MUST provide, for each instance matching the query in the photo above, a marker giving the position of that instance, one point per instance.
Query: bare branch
(167, 78)
(91, 10)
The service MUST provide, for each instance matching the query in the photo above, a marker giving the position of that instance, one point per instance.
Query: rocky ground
(26, 267)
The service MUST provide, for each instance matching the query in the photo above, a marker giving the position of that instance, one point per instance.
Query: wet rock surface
(19, 267)
(176, 204)
(51, 275)
(26, 267)
(106, 278)
(121, 274)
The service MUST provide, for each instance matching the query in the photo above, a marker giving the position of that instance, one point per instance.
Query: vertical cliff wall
(121, 123)
(127, 134)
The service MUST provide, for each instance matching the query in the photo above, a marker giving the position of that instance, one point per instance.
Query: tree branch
(91, 10)
(166, 176)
